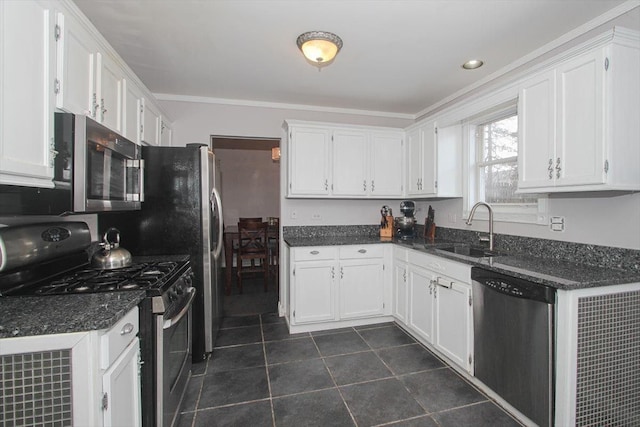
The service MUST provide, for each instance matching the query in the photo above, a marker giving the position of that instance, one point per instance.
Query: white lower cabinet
(454, 326)
(439, 300)
(361, 288)
(95, 375)
(400, 291)
(313, 291)
(421, 302)
(338, 284)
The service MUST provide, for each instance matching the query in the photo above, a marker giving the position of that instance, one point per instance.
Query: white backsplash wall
(594, 218)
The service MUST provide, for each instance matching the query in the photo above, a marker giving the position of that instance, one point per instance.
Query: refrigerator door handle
(217, 202)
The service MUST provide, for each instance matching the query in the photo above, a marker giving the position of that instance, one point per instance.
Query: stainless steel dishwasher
(513, 338)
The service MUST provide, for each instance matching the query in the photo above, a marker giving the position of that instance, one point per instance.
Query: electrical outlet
(316, 216)
(294, 214)
(556, 223)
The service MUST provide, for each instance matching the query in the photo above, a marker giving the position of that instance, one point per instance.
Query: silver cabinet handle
(550, 168)
(362, 251)
(558, 168)
(126, 329)
(314, 252)
(447, 284)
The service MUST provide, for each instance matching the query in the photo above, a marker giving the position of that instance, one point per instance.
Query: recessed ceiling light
(472, 64)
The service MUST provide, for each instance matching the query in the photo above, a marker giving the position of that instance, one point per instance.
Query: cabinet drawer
(436, 264)
(361, 251)
(315, 253)
(116, 339)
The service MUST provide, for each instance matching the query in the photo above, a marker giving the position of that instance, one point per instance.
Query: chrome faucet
(473, 211)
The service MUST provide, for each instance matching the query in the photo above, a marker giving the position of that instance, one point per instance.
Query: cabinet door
(580, 139)
(429, 160)
(150, 123)
(361, 288)
(76, 58)
(26, 126)
(454, 327)
(313, 294)
(400, 291)
(536, 132)
(414, 160)
(421, 302)
(131, 111)
(121, 385)
(308, 162)
(109, 82)
(166, 133)
(350, 163)
(386, 173)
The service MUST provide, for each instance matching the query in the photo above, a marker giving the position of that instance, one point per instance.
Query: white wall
(250, 184)
(601, 219)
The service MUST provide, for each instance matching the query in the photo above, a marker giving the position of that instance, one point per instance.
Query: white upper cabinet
(344, 162)
(386, 164)
(92, 81)
(131, 109)
(350, 163)
(76, 57)
(434, 159)
(308, 161)
(579, 124)
(150, 118)
(89, 81)
(26, 114)
(110, 82)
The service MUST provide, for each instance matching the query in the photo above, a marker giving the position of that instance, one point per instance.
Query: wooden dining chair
(252, 247)
(273, 245)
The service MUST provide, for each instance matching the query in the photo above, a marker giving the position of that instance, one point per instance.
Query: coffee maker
(405, 225)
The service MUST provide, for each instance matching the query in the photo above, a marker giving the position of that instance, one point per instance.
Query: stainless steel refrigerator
(181, 214)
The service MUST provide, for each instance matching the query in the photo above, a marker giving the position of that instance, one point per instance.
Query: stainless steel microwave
(103, 170)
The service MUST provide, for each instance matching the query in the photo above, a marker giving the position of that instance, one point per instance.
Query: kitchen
(195, 119)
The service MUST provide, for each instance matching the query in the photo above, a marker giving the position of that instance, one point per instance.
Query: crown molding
(280, 106)
(566, 38)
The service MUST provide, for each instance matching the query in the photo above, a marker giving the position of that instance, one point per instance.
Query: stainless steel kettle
(111, 256)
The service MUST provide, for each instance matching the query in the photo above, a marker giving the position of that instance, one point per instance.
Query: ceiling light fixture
(319, 47)
(472, 64)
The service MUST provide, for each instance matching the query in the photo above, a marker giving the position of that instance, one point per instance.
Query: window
(493, 147)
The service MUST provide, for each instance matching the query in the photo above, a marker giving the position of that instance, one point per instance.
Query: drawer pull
(362, 251)
(126, 329)
(314, 252)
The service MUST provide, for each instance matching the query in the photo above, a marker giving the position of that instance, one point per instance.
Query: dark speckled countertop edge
(543, 271)
(61, 314)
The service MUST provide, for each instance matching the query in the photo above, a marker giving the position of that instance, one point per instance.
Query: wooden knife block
(388, 230)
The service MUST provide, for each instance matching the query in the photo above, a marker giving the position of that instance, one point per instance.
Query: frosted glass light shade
(319, 47)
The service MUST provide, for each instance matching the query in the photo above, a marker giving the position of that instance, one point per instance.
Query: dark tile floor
(259, 375)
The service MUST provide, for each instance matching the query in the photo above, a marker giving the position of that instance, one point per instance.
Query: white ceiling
(399, 56)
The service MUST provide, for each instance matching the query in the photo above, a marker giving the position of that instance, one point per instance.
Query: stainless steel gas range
(52, 259)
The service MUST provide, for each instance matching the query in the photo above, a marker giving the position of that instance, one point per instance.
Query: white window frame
(518, 213)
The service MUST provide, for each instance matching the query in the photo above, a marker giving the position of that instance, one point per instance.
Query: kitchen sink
(470, 251)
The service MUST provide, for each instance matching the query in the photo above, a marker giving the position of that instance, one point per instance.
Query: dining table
(231, 236)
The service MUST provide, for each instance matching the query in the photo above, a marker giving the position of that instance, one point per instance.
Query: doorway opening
(250, 188)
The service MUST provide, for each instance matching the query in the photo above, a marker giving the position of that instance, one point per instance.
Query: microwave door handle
(139, 165)
(175, 319)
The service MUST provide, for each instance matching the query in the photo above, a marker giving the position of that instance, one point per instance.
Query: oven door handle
(170, 322)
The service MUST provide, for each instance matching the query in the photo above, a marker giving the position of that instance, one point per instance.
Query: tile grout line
(266, 368)
(344, 402)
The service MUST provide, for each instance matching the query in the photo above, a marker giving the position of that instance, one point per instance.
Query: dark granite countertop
(58, 314)
(550, 272)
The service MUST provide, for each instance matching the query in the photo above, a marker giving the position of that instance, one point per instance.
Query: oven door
(173, 360)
